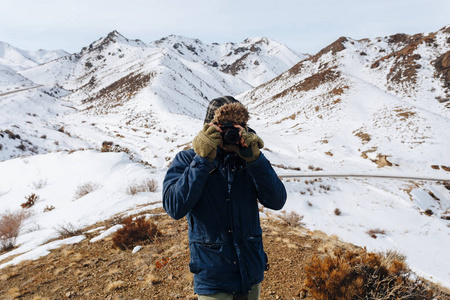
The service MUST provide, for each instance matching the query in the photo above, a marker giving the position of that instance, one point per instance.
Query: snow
(43, 250)
(299, 129)
(55, 178)
(380, 204)
(106, 233)
(136, 249)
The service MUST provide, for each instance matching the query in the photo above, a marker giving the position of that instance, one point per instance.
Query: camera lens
(231, 136)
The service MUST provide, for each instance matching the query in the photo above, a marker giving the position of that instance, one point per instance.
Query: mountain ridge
(327, 113)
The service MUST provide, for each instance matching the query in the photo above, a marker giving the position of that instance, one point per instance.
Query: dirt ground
(95, 270)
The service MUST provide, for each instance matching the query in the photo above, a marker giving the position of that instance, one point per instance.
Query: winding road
(21, 90)
(362, 176)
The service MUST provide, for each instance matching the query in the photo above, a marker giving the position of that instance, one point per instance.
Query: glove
(206, 142)
(254, 143)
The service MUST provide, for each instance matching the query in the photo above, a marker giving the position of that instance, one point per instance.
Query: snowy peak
(17, 59)
(114, 37)
(399, 64)
(369, 98)
(255, 60)
(171, 68)
(409, 55)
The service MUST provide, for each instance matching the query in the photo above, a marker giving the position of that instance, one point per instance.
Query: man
(217, 185)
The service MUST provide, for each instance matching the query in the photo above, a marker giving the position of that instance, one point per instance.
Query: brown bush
(135, 232)
(68, 230)
(10, 223)
(363, 275)
(147, 185)
(85, 188)
(291, 218)
(31, 200)
(373, 232)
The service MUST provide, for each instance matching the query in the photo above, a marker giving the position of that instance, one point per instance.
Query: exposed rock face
(382, 161)
(442, 66)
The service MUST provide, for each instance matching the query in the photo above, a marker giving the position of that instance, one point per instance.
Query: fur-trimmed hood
(233, 112)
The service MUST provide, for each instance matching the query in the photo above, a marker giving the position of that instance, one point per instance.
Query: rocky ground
(95, 270)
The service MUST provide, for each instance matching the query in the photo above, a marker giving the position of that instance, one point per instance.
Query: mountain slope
(335, 112)
(354, 101)
(116, 81)
(176, 71)
(18, 59)
(13, 60)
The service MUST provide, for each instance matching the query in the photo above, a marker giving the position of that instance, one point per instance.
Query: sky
(305, 26)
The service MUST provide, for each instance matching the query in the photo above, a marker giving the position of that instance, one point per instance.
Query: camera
(230, 134)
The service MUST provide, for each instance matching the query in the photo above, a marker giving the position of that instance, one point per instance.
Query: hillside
(116, 81)
(360, 101)
(373, 106)
(94, 269)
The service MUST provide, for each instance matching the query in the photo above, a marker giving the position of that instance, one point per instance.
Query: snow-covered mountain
(359, 101)
(255, 60)
(374, 106)
(18, 59)
(183, 73)
(143, 84)
(13, 60)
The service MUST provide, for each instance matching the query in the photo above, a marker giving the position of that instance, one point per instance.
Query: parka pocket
(256, 260)
(212, 258)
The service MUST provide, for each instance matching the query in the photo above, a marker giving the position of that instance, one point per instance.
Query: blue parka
(220, 200)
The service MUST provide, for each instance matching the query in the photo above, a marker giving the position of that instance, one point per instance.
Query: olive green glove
(206, 142)
(253, 143)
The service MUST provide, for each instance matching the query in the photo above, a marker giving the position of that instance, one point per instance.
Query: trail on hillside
(21, 90)
(362, 176)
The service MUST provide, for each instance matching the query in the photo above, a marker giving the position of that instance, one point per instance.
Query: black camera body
(230, 134)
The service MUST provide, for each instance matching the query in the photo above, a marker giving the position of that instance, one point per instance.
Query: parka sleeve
(270, 189)
(184, 182)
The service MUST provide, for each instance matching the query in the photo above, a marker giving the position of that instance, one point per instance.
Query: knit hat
(233, 112)
(215, 104)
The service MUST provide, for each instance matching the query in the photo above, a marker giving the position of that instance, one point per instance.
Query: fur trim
(232, 112)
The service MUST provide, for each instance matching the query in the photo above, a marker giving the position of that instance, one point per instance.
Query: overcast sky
(303, 25)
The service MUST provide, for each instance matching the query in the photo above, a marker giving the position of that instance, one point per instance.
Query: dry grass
(135, 232)
(39, 184)
(68, 230)
(10, 223)
(291, 218)
(31, 200)
(85, 188)
(49, 208)
(373, 232)
(160, 271)
(358, 274)
(115, 285)
(147, 185)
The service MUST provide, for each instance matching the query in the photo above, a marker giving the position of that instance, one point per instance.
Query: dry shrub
(116, 285)
(291, 218)
(39, 184)
(49, 208)
(337, 212)
(135, 232)
(10, 223)
(68, 230)
(31, 200)
(373, 232)
(85, 188)
(363, 275)
(147, 185)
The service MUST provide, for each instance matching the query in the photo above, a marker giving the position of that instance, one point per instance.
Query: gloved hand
(206, 142)
(249, 141)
